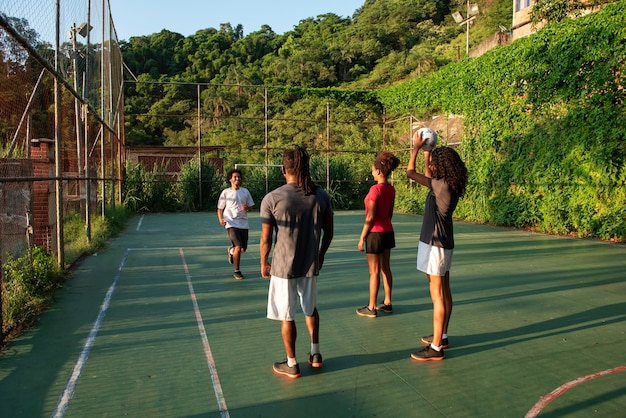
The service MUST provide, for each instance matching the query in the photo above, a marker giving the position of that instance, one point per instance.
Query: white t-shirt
(233, 203)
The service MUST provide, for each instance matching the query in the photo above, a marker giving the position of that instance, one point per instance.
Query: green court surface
(155, 326)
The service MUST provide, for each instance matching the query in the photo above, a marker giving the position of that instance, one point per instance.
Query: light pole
(81, 136)
(472, 11)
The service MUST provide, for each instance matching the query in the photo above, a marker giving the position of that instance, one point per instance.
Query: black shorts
(239, 237)
(378, 242)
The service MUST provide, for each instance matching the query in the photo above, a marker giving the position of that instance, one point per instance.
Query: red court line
(543, 402)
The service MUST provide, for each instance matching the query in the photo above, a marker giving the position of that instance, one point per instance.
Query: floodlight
(84, 29)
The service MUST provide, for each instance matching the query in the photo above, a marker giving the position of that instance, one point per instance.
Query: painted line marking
(70, 387)
(217, 387)
(140, 222)
(543, 402)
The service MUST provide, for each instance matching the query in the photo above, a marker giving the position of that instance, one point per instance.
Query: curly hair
(386, 162)
(449, 166)
(232, 171)
(296, 161)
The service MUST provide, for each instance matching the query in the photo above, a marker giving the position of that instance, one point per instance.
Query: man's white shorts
(432, 260)
(283, 296)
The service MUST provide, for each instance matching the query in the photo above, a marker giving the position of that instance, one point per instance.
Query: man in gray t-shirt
(301, 214)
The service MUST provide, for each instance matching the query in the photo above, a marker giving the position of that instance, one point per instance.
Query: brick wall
(43, 213)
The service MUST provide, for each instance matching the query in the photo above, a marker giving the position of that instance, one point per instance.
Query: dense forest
(542, 118)
(325, 62)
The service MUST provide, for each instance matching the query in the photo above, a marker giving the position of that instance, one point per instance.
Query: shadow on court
(156, 326)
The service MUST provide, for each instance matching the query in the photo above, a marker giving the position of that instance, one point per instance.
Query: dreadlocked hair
(450, 167)
(296, 162)
(386, 162)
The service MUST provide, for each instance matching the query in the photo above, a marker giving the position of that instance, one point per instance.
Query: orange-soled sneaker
(283, 368)
(428, 353)
(315, 360)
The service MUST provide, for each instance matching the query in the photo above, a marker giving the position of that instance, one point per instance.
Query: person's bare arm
(265, 245)
(220, 217)
(328, 231)
(367, 225)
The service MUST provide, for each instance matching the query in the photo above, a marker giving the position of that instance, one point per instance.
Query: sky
(186, 17)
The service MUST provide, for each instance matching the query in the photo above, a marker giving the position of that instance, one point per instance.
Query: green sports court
(156, 326)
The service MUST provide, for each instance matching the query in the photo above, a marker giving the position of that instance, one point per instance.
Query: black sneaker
(315, 360)
(366, 311)
(281, 367)
(237, 275)
(230, 256)
(428, 339)
(427, 353)
(384, 308)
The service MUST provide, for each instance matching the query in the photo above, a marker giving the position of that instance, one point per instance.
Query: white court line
(217, 387)
(64, 400)
(140, 222)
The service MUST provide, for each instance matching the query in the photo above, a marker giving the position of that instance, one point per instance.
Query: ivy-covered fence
(545, 126)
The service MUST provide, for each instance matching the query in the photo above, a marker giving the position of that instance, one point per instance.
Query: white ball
(431, 138)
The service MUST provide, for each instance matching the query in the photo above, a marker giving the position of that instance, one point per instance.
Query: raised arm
(411, 173)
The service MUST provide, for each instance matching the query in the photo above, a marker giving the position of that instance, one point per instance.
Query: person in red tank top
(377, 236)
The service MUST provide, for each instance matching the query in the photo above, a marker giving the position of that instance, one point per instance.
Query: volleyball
(431, 138)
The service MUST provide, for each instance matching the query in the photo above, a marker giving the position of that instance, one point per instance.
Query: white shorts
(435, 261)
(283, 294)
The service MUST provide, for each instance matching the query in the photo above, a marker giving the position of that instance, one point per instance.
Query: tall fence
(61, 119)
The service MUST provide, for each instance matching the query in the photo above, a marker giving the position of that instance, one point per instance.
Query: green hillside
(545, 126)
(543, 117)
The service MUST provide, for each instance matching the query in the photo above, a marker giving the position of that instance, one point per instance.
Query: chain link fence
(61, 118)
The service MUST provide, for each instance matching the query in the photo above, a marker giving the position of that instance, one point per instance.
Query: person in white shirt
(233, 206)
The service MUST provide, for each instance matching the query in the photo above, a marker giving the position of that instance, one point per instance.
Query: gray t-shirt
(437, 224)
(297, 220)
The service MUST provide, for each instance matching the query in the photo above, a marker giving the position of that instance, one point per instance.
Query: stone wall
(15, 205)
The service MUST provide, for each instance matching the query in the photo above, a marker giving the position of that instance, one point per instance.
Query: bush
(147, 191)
(27, 287)
(187, 191)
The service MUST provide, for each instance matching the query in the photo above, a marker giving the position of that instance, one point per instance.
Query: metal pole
(86, 129)
(77, 113)
(199, 150)
(87, 176)
(57, 144)
(113, 137)
(327, 146)
(267, 172)
(467, 29)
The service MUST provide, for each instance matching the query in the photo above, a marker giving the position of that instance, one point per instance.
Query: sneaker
(427, 353)
(428, 339)
(230, 256)
(366, 311)
(281, 367)
(237, 275)
(315, 360)
(384, 308)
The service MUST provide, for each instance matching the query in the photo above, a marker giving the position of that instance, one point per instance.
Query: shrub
(27, 286)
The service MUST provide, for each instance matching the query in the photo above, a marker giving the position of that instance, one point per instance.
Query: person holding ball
(445, 175)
